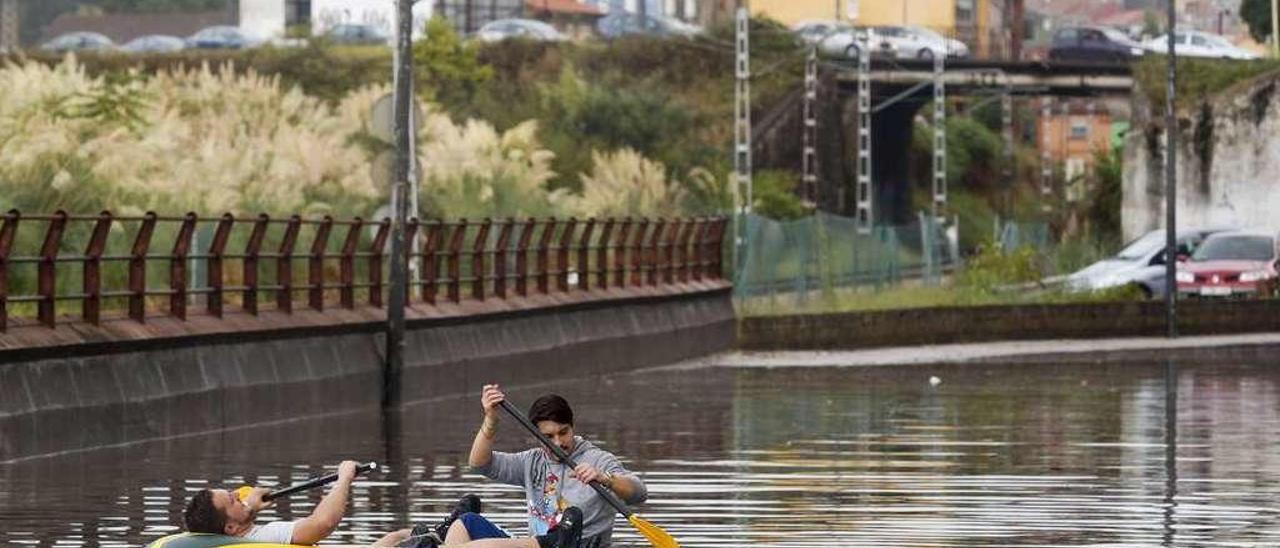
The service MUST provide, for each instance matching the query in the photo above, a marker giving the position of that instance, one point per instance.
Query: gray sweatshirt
(549, 489)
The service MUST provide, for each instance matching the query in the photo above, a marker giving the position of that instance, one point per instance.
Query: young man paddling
(564, 511)
(223, 512)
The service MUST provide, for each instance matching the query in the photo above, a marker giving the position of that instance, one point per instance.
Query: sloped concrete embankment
(100, 389)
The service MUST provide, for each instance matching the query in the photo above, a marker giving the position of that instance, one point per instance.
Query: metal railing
(451, 261)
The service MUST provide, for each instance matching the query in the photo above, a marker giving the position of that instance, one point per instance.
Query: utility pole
(939, 139)
(742, 184)
(1275, 25)
(1010, 170)
(809, 153)
(864, 219)
(399, 286)
(1170, 181)
(10, 40)
(1046, 158)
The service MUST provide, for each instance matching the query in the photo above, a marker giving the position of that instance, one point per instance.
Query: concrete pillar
(262, 19)
(9, 29)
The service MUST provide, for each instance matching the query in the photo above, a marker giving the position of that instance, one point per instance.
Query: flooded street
(1009, 455)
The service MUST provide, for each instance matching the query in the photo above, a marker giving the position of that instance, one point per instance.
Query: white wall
(262, 19)
(1240, 188)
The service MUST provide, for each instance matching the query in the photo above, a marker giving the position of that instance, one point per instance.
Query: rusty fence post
(411, 227)
(500, 252)
(637, 253)
(478, 250)
(7, 232)
(522, 257)
(455, 260)
(347, 264)
(543, 269)
(431, 261)
(315, 264)
(377, 251)
(716, 253)
(178, 267)
(284, 265)
(217, 250)
(252, 251)
(620, 254)
(92, 308)
(138, 268)
(669, 250)
(699, 250)
(584, 255)
(562, 254)
(682, 250)
(602, 254)
(47, 284)
(653, 251)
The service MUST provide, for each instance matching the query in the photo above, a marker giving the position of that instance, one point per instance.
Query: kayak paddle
(306, 485)
(655, 534)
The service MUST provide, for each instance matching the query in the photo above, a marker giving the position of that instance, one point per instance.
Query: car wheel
(852, 52)
(925, 54)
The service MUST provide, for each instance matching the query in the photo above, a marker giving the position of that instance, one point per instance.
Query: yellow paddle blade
(655, 534)
(243, 492)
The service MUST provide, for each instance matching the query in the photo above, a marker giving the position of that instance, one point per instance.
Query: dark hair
(201, 516)
(551, 407)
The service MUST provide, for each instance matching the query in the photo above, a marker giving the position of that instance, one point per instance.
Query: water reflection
(1030, 455)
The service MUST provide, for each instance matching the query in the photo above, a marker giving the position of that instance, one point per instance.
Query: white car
(915, 42)
(846, 43)
(1200, 44)
(528, 29)
(813, 32)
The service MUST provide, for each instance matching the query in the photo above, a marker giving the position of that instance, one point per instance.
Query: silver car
(155, 43)
(528, 29)
(915, 42)
(79, 41)
(1140, 264)
(846, 43)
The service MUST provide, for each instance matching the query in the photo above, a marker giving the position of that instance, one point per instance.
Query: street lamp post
(1170, 184)
(398, 290)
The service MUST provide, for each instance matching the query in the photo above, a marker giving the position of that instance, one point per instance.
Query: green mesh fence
(825, 252)
(1012, 235)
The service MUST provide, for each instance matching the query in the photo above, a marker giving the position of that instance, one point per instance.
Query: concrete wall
(92, 393)
(1228, 158)
(1001, 323)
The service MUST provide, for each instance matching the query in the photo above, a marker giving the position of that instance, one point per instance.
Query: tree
(1257, 14)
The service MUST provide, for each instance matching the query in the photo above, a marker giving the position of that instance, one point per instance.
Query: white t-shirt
(276, 532)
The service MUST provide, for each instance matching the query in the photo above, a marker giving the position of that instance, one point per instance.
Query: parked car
(814, 32)
(1229, 264)
(356, 35)
(1199, 44)
(915, 42)
(155, 43)
(621, 23)
(79, 41)
(846, 43)
(1141, 263)
(527, 29)
(220, 37)
(1099, 44)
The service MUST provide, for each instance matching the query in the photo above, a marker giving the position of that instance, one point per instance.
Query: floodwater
(1025, 455)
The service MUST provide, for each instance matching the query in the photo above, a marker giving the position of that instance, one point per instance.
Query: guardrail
(452, 261)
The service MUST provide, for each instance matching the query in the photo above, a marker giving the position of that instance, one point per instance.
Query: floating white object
(934, 381)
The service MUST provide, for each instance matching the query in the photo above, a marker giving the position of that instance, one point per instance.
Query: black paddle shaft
(316, 482)
(605, 492)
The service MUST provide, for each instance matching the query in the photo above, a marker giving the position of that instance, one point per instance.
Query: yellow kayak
(204, 540)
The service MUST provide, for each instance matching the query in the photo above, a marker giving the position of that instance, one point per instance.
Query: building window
(297, 12)
(964, 11)
(1079, 129)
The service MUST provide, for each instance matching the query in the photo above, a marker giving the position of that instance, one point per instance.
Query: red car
(1227, 264)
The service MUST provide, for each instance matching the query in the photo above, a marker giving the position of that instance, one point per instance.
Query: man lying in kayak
(223, 512)
(564, 511)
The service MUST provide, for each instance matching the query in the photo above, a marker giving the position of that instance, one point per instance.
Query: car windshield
(1116, 36)
(1142, 247)
(1236, 248)
(927, 33)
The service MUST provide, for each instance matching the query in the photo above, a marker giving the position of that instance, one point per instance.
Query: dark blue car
(219, 37)
(1093, 44)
